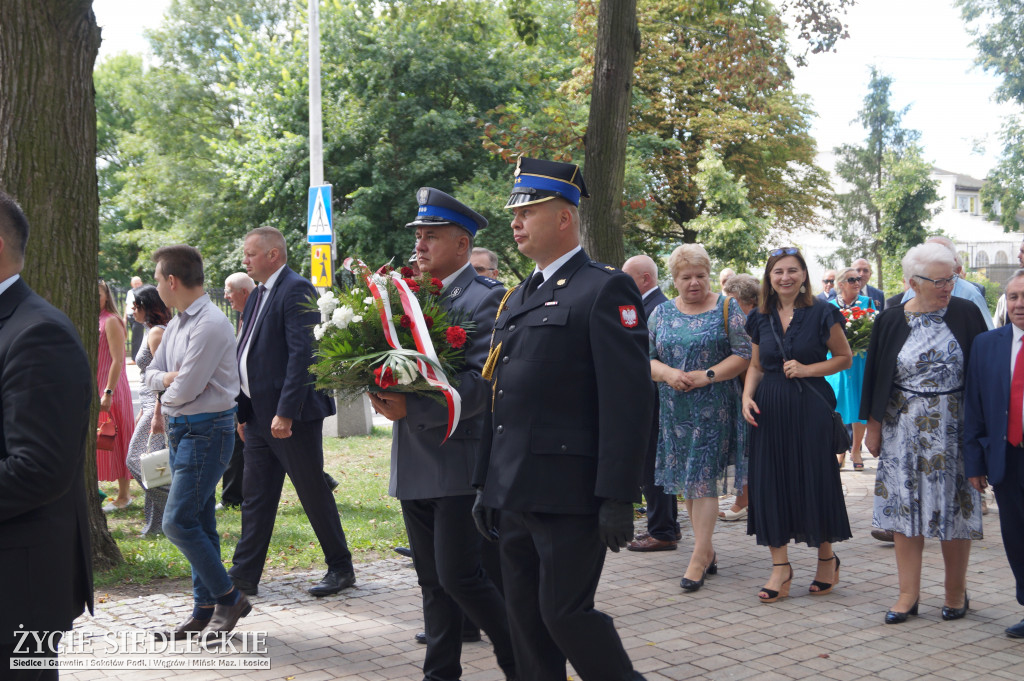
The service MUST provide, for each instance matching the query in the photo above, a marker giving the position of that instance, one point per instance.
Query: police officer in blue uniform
(571, 400)
(433, 480)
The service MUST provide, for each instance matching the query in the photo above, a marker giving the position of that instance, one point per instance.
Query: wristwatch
(710, 373)
(108, 391)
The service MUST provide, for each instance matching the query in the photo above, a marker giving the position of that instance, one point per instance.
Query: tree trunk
(618, 41)
(48, 163)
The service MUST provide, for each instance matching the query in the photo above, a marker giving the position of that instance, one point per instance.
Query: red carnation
(437, 286)
(413, 286)
(456, 336)
(386, 378)
(407, 272)
(429, 320)
(384, 270)
(406, 321)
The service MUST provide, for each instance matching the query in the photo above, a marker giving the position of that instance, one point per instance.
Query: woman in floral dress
(912, 399)
(698, 349)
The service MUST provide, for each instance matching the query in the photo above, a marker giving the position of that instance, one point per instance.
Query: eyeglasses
(828, 281)
(788, 250)
(853, 280)
(481, 269)
(940, 283)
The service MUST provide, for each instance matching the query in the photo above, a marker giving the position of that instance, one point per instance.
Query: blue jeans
(199, 453)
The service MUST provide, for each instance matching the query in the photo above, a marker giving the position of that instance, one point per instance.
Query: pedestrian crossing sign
(320, 271)
(318, 217)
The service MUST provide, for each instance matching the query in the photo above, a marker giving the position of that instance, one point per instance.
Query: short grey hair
(948, 243)
(743, 287)
(239, 281)
(1016, 275)
(928, 253)
(492, 257)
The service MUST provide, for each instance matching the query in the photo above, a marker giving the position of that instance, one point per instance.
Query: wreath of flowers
(353, 353)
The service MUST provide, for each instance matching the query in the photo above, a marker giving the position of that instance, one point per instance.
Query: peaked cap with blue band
(437, 208)
(539, 180)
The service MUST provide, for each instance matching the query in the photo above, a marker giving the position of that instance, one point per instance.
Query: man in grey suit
(431, 479)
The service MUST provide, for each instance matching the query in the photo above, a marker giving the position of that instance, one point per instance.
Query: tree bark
(48, 163)
(618, 40)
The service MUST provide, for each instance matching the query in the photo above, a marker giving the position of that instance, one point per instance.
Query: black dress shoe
(949, 613)
(403, 551)
(331, 482)
(893, 617)
(191, 626)
(332, 583)
(225, 617)
(467, 637)
(245, 586)
(1016, 631)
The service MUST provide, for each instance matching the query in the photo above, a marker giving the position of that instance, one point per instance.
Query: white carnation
(404, 370)
(327, 303)
(342, 316)
(319, 330)
(357, 319)
(368, 300)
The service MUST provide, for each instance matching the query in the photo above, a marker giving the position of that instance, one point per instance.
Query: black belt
(929, 394)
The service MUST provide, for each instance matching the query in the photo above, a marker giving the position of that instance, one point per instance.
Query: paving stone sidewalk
(720, 632)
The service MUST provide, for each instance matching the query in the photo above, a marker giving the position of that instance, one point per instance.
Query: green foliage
(729, 228)
(886, 207)
(1003, 191)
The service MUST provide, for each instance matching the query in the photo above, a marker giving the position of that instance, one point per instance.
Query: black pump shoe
(711, 569)
(949, 613)
(893, 617)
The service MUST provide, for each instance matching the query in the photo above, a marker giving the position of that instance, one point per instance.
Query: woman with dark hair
(794, 487)
(149, 426)
(115, 398)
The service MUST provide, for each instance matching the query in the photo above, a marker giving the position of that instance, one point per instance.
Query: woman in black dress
(795, 492)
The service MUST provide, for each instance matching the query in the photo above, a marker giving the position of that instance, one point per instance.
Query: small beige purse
(156, 466)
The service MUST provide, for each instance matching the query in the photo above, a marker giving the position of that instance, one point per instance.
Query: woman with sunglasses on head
(794, 486)
(913, 403)
(847, 384)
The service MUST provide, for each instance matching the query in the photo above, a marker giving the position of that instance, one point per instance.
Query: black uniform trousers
(267, 460)
(551, 565)
(662, 508)
(231, 494)
(446, 551)
(1010, 497)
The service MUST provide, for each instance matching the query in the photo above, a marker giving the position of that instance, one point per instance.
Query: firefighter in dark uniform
(571, 397)
(431, 476)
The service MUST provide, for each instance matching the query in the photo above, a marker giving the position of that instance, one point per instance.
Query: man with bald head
(863, 268)
(723, 276)
(137, 329)
(662, 508)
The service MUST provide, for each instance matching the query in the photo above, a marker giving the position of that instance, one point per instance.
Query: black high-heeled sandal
(783, 591)
(825, 587)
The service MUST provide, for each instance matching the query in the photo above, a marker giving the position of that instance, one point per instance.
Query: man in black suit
(431, 475)
(282, 416)
(563, 458)
(993, 430)
(45, 379)
(863, 268)
(662, 508)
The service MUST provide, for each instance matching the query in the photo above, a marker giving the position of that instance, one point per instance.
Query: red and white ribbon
(421, 336)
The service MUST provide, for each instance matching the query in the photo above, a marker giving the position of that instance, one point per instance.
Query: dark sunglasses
(828, 281)
(788, 250)
(853, 280)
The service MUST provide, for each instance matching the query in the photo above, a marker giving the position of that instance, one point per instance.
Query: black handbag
(841, 441)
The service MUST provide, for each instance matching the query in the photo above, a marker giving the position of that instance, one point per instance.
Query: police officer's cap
(437, 208)
(539, 180)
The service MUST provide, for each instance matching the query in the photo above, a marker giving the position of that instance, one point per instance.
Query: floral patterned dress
(702, 431)
(920, 487)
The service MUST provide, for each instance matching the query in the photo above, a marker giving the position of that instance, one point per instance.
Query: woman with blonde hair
(698, 346)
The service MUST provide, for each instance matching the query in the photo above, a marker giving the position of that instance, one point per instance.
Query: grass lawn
(372, 520)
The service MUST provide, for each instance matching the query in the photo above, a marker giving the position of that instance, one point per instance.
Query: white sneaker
(219, 507)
